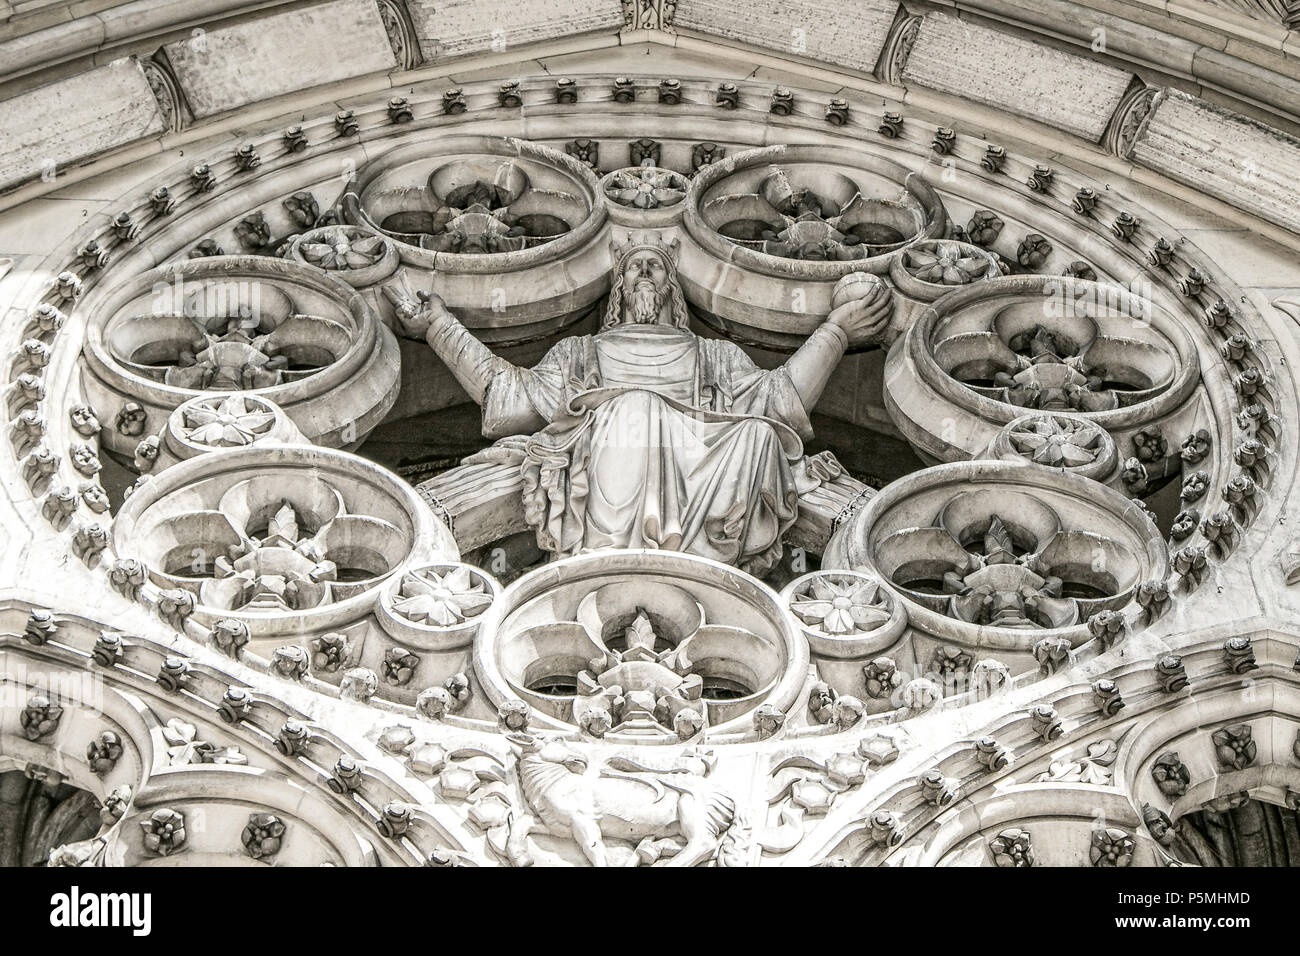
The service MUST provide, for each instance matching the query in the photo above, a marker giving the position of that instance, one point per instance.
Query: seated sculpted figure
(646, 435)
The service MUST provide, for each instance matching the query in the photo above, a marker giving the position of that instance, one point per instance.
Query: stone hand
(861, 306)
(415, 317)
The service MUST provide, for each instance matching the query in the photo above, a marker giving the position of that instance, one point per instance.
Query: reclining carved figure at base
(672, 813)
(646, 435)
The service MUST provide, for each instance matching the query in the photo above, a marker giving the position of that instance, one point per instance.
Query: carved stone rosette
(644, 197)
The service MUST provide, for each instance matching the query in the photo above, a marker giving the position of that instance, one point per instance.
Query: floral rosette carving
(932, 268)
(644, 196)
(352, 253)
(1058, 440)
(844, 614)
(438, 606)
(220, 421)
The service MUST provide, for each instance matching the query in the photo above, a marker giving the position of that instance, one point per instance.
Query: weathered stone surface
(847, 34)
(1063, 90)
(459, 27)
(74, 119)
(1229, 156)
(276, 652)
(224, 69)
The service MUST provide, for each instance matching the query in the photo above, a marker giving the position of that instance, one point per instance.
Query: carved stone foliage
(401, 33)
(1012, 847)
(675, 647)
(1094, 766)
(649, 14)
(807, 788)
(170, 781)
(645, 187)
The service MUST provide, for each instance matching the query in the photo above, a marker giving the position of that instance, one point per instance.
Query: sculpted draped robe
(653, 438)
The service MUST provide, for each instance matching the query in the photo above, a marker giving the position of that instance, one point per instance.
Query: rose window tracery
(1064, 366)
(283, 555)
(269, 534)
(494, 218)
(1031, 582)
(216, 378)
(761, 218)
(228, 337)
(664, 658)
(285, 331)
(804, 212)
(984, 354)
(475, 206)
(1016, 552)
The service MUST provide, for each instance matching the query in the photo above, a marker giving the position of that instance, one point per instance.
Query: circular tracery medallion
(1002, 554)
(289, 540)
(661, 644)
(984, 355)
(279, 330)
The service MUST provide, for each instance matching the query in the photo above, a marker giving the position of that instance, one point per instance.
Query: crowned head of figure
(645, 289)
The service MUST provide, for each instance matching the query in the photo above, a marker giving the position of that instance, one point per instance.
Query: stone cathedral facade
(711, 433)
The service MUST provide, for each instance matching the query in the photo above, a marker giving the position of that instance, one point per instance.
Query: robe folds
(647, 436)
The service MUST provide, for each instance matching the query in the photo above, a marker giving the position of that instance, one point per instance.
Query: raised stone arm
(470, 361)
(861, 307)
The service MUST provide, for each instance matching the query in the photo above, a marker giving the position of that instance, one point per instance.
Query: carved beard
(641, 304)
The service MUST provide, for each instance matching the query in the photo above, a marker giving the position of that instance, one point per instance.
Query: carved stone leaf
(1094, 768)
